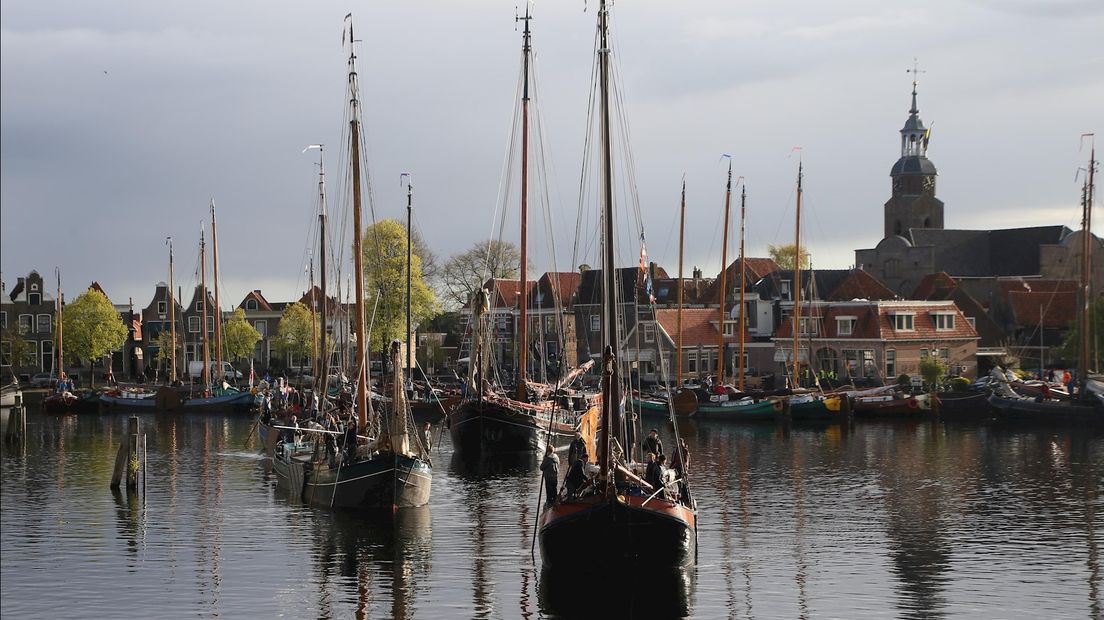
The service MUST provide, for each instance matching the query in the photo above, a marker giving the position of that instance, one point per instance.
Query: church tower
(913, 203)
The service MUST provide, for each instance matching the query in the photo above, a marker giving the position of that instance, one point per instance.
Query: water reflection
(630, 592)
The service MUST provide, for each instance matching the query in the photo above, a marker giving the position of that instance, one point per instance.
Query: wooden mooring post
(131, 459)
(16, 432)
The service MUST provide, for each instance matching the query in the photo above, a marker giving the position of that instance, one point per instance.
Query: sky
(121, 120)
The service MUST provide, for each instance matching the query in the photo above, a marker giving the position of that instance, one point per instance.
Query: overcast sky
(121, 120)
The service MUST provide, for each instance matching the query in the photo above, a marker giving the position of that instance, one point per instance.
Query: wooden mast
(724, 281)
(797, 280)
(523, 301)
(323, 346)
(203, 294)
(1086, 267)
(172, 316)
(218, 306)
(611, 397)
(60, 328)
(409, 264)
(678, 313)
(743, 284)
(358, 259)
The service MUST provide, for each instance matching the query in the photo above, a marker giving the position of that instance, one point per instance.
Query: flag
(251, 374)
(644, 268)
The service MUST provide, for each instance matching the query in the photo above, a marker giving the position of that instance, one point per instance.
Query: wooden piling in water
(127, 460)
(16, 432)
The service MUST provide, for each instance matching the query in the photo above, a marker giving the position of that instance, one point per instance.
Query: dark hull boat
(384, 481)
(502, 425)
(433, 410)
(1022, 409)
(964, 404)
(71, 403)
(685, 404)
(891, 406)
(625, 529)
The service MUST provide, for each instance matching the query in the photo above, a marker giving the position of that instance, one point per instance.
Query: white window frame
(162, 308)
(649, 333)
(251, 304)
(808, 325)
(193, 325)
(31, 297)
(595, 322)
(890, 364)
(904, 321)
(30, 322)
(210, 325)
(261, 327)
(3, 320)
(972, 321)
(49, 324)
(845, 325)
(943, 317)
(785, 290)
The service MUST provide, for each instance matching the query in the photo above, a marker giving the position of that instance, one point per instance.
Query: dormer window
(809, 325)
(649, 333)
(162, 307)
(845, 325)
(903, 321)
(34, 298)
(785, 291)
(251, 304)
(944, 321)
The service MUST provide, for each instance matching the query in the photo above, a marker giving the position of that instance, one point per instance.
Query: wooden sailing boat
(1087, 405)
(65, 401)
(616, 517)
(489, 420)
(390, 471)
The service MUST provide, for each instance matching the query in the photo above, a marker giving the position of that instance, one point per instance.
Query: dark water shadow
(619, 592)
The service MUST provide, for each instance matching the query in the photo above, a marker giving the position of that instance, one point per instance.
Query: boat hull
(384, 481)
(685, 405)
(1046, 411)
(68, 404)
(762, 411)
(622, 530)
(432, 411)
(894, 408)
(241, 402)
(502, 428)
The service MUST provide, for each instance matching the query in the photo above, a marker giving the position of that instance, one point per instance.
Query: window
(162, 308)
(262, 328)
(845, 325)
(251, 304)
(45, 322)
(691, 362)
(649, 333)
(595, 323)
(972, 321)
(193, 324)
(944, 321)
(749, 312)
(3, 320)
(47, 354)
(5, 353)
(785, 291)
(35, 298)
(890, 363)
(211, 324)
(944, 353)
(32, 352)
(26, 323)
(923, 354)
(550, 323)
(903, 321)
(729, 328)
(809, 325)
(190, 350)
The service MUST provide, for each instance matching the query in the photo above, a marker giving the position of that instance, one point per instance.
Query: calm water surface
(880, 520)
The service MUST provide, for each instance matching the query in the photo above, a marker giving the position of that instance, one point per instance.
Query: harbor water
(874, 520)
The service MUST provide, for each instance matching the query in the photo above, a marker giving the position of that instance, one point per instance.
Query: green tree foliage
(294, 335)
(784, 256)
(239, 336)
(932, 370)
(165, 348)
(16, 350)
(465, 272)
(385, 274)
(1071, 344)
(93, 328)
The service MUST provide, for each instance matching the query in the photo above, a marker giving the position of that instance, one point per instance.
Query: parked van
(195, 371)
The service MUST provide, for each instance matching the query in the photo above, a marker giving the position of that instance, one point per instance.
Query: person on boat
(350, 443)
(1067, 379)
(652, 443)
(653, 475)
(550, 471)
(684, 457)
(427, 436)
(576, 476)
(578, 447)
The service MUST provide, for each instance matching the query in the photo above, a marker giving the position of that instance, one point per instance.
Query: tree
(296, 332)
(239, 336)
(1071, 344)
(385, 275)
(166, 349)
(932, 370)
(16, 351)
(465, 272)
(784, 256)
(92, 327)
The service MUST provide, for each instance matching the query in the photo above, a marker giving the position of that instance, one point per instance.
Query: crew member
(578, 447)
(550, 468)
(652, 443)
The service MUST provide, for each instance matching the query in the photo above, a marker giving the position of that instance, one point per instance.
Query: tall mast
(724, 281)
(218, 306)
(409, 264)
(678, 314)
(60, 328)
(797, 278)
(314, 321)
(358, 260)
(611, 390)
(743, 283)
(523, 315)
(203, 294)
(172, 315)
(1086, 267)
(323, 346)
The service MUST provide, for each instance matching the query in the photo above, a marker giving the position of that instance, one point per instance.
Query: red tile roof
(860, 284)
(755, 269)
(262, 303)
(875, 321)
(699, 326)
(1058, 309)
(935, 285)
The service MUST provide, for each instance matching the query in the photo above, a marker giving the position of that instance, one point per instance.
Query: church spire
(914, 136)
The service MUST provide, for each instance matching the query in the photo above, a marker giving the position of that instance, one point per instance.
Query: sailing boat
(1087, 406)
(718, 403)
(64, 401)
(615, 516)
(489, 420)
(390, 471)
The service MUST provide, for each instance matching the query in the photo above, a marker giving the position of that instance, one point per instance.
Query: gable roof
(699, 326)
(827, 285)
(875, 320)
(755, 269)
(1043, 309)
(553, 287)
(255, 295)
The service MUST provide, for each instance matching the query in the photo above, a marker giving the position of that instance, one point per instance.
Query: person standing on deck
(578, 448)
(576, 476)
(652, 443)
(427, 436)
(550, 470)
(653, 475)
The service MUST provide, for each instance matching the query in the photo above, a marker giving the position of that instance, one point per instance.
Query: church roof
(913, 164)
(986, 253)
